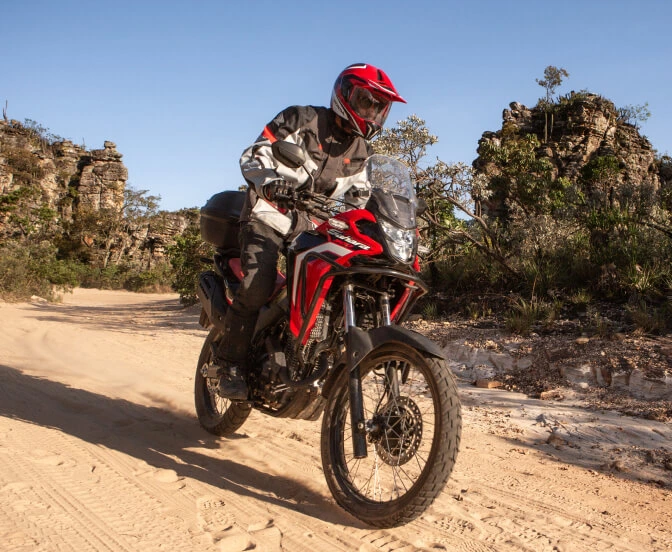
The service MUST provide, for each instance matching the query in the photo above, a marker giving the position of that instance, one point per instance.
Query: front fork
(357, 420)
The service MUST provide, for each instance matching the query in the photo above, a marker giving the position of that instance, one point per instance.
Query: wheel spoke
(400, 415)
(412, 421)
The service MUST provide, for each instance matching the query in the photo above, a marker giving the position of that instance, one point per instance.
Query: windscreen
(392, 189)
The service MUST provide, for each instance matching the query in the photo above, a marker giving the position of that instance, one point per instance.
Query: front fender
(362, 342)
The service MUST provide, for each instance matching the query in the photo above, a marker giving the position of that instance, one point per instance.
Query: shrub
(525, 314)
(430, 311)
(580, 299)
(27, 270)
(112, 276)
(12, 200)
(155, 280)
(185, 259)
(126, 276)
(651, 319)
(24, 165)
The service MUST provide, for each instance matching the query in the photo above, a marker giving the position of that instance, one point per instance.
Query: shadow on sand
(165, 440)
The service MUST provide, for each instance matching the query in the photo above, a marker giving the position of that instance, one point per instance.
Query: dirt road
(100, 450)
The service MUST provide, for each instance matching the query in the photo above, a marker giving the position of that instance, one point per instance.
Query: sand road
(100, 450)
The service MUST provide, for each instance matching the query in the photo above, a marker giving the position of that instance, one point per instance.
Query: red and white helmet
(363, 95)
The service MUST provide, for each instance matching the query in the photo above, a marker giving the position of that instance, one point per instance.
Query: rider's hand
(280, 192)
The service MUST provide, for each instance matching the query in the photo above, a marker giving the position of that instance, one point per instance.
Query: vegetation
(185, 259)
(40, 254)
(34, 269)
(634, 114)
(515, 228)
(553, 77)
(510, 227)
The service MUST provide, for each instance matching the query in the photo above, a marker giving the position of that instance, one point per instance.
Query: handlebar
(313, 203)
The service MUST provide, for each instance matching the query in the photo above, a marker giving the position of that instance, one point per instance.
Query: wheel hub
(397, 431)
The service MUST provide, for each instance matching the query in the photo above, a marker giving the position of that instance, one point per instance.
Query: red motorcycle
(329, 342)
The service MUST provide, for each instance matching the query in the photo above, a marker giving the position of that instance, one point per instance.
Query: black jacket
(336, 160)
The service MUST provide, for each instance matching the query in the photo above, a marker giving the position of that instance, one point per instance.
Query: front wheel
(217, 415)
(413, 425)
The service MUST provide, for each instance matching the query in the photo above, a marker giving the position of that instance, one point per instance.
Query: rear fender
(362, 342)
(211, 294)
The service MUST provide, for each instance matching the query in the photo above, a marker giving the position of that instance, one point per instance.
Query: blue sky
(183, 88)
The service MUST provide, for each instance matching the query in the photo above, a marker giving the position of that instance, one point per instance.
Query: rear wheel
(413, 424)
(217, 415)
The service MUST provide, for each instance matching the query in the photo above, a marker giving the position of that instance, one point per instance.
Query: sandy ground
(100, 450)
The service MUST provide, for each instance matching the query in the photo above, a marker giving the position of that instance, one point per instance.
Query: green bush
(12, 200)
(524, 315)
(27, 270)
(112, 276)
(157, 279)
(185, 259)
(467, 272)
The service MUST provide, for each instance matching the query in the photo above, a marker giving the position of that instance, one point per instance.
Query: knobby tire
(393, 495)
(216, 415)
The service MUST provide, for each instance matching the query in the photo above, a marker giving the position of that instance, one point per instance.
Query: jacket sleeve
(257, 163)
(355, 189)
(359, 191)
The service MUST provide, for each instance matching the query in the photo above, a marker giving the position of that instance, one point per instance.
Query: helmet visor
(369, 106)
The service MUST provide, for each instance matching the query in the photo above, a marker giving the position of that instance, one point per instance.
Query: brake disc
(399, 431)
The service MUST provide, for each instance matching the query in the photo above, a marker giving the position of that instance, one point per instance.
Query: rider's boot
(232, 383)
(231, 355)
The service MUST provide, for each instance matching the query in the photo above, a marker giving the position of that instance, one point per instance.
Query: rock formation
(42, 176)
(580, 128)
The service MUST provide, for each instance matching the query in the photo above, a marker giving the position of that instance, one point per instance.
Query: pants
(260, 248)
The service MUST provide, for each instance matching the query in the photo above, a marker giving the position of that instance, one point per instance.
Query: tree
(599, 178)
(408, 141)
(138, 206)
(521, 184)
(107, 229)
(450, 186)
(185, 258)
(553, 77)
(444, 187)
(634, 114)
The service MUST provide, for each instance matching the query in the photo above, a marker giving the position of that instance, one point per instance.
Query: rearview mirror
(288, 154)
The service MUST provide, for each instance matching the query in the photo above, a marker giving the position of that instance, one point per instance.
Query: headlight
(400, 242)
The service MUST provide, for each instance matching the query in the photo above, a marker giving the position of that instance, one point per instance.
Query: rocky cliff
(46, 181)
(579, 128)
(63, 176)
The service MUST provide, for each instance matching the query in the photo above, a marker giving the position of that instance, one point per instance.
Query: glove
(280, 192)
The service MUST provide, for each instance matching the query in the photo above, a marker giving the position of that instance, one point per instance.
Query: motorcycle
(329, 343)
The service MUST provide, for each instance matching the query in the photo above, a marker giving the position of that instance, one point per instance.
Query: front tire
(413, 436)
(217, 415)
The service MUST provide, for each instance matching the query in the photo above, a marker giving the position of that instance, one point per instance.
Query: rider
(335, 141)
